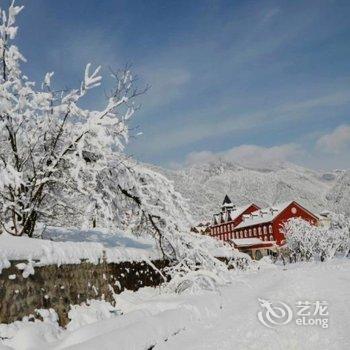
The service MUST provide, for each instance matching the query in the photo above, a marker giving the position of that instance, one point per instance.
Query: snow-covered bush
(306, 241)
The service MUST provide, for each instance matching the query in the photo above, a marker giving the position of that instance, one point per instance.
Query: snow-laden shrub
(306, 241)
(208, 263)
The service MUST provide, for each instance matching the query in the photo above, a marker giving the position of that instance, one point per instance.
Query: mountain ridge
(205, 186)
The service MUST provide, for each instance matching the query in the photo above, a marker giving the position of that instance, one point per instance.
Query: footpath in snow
(225, 319)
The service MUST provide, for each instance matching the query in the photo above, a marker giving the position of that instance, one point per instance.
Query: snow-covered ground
(225, 319)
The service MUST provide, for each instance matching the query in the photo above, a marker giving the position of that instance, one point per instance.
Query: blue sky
(235, 79)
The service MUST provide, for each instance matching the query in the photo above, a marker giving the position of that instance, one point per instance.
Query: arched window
(254, 231)
(250, 232)
(265, 230)
(271, 238)
(270, 228)
(245, 233)
(259, 230)
(241, 234)
(265, 238)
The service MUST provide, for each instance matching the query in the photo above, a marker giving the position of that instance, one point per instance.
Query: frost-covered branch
(49, 141)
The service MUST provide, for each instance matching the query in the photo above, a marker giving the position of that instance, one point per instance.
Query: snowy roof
(236, 212)
(230, 215)
(262, 216)
(248, 242)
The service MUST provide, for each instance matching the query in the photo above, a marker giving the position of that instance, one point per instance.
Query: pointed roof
(227, 200)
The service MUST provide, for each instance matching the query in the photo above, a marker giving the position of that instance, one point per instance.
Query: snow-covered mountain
(205, 185)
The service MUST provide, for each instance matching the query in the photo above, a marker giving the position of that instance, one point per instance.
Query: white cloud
(201, 124)
(336, 141)
(167, 84)
(249, 155)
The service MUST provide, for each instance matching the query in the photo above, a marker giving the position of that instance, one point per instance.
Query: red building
(255, 230)
(266, 224)
(230, 216)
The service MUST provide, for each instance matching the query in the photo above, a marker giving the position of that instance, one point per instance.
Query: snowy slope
(338, 196)
(205, 185)
(225, 320)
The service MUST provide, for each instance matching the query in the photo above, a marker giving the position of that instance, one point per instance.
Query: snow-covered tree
(59, 160)
(51, 147)
(306, 241)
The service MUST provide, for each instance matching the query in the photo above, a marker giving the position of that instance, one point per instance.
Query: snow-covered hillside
(205, 185)
(226, 319)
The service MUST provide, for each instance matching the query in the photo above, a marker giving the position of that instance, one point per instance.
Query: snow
(72, 246)
(208, 183)
(222, 319)
(246, 242)
(235, 212)
(262, 216)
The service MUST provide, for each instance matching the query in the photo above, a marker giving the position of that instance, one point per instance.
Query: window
(265, 238)
(245, 233)
(265, 230)
(254, 231)
(271, 238)
(241, 234)
(259, 230)
(270, 228)
(250, 232)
